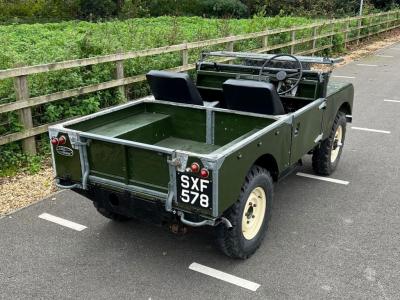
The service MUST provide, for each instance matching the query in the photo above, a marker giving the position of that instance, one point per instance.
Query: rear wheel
(326, 157)
(249, 216)
(110, 214)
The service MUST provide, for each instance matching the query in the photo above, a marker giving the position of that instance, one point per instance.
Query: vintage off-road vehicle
(209, 152)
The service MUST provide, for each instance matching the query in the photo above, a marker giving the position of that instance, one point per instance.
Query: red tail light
(54, 141)
(62, 140)
(204, 173)
(195, 167)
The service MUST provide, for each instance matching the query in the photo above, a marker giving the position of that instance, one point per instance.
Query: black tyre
(249, 216)
(326, 156)
(109, 214)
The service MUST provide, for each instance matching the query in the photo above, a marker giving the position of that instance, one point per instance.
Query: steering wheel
(282, 76)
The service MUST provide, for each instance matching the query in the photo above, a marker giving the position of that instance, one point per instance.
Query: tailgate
(143, 168)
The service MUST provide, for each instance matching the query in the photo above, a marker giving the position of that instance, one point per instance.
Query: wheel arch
(346, 108)
(268, 162)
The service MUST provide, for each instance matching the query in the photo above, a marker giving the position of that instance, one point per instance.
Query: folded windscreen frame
(316, 63)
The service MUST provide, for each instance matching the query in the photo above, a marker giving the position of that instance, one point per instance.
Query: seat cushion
(172, 86)
(252, 96)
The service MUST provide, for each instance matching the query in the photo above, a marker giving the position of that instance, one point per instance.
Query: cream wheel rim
(337, 143)
(254, 213)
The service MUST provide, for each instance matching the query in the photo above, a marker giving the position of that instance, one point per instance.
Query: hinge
(174, 162)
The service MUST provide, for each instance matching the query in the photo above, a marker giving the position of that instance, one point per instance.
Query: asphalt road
(325, 241)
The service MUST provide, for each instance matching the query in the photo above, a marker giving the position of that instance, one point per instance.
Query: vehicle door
(307, 129)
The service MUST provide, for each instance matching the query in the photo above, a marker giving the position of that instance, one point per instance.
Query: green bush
(92, 9)
(222, 8)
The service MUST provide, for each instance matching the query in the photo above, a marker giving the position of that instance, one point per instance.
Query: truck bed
(174, 127)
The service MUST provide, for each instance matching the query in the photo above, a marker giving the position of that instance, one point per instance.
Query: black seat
(174, 87)
(252, 96)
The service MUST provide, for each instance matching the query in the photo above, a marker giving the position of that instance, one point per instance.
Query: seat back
(174, 87)
(252, 96)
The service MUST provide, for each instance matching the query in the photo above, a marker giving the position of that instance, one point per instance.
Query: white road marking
(371, 130)
(366, 65)
(63, 222)
(252, 286)
(381, 55)
(390, 100)
(340, 76)
(333, 180)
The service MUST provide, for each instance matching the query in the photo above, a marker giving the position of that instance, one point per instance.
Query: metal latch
(318, 138)
(322, 105)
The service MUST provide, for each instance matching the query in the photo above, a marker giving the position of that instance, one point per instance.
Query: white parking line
(366, 65)
(340, 76)
(61, 221)
(390, 100)
(371, 130)
(381, 55)
(252, 286)
(333, 180)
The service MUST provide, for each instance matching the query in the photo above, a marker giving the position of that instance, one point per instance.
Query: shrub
(223, 8)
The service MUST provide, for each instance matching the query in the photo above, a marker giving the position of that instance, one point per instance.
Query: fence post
(387, 21)
(332, 32)
(229, 47)
(265, 40)
(359, 29)
(369, 26)
(293, 41)
(25, 114)
(119, 74)
(346, 34)
(314, 42)
(185, 56)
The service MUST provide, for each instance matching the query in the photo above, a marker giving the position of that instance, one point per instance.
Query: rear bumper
(131, 205)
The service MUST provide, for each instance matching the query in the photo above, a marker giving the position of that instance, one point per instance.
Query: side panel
(338, 93)
(236, 166)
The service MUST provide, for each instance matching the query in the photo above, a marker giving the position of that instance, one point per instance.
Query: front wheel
(249, 216)
(327, 155)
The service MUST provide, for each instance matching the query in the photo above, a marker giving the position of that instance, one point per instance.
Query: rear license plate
(194, 190)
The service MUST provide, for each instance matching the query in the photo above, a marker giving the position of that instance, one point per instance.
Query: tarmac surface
(326, 240)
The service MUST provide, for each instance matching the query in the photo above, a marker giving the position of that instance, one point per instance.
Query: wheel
(109, 214)
(249, 216)
(326, 157)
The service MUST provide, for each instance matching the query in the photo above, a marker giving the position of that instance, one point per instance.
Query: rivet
(277, 132)
(259, 144)
(239, 156)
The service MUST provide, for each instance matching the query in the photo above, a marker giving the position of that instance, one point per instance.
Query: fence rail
(24, 103)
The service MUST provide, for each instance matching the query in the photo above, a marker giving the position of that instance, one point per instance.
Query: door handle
(297, 129)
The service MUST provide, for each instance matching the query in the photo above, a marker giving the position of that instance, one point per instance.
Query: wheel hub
(337, 143)
(254, 213)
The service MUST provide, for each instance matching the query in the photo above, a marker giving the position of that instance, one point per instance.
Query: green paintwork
(185, 129)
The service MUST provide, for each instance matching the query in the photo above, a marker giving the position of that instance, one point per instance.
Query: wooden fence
(365, 26)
